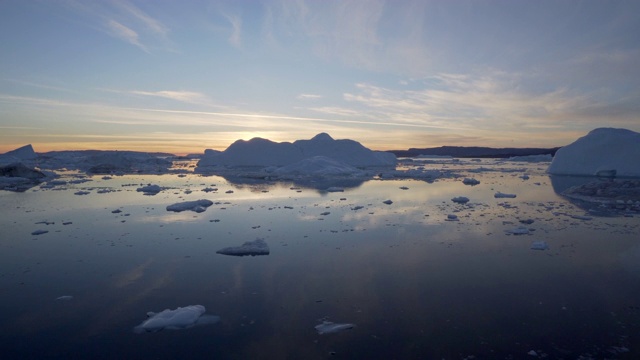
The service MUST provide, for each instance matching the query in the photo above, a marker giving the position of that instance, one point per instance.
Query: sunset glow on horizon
(166, 76)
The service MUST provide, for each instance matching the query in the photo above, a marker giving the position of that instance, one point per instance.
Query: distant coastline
(474, 152)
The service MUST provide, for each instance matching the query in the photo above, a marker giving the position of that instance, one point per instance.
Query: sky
(183, 76)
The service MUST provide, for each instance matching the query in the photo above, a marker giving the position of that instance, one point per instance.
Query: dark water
(416, 286)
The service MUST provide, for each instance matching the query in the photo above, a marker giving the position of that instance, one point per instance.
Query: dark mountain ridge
(474, 151)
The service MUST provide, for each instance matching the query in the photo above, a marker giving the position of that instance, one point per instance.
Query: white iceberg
(18, 155)
(253, 248)
(602, 152)
(328, 327)
(263, 153)
(180, 318)
(197, 206)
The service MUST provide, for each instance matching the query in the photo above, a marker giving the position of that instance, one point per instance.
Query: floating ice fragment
(64, 298)
(452, 217)
(149, 189)
(532, 353)
(327, 327)
(197, 206)
(520, 230)
(470, 181)
(325, 213)
(39, 232)
(335, 189)
(388, 202)
(180, 318)
(539, 245)
(253, 248)
(404, 188)
(503, 195)
(357, 207)
(460, 199)
(580, 217)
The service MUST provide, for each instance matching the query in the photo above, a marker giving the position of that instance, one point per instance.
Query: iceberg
(602, 152)
(180, 318)
(328, 327)
(259, 152)
(149, 189)
(253, 248)
(318, 166)
(197, 206)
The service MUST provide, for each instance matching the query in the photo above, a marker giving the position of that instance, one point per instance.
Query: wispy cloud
(235, 38)
(120, 31)
(190, 97)
(125, 21)
(309, 97)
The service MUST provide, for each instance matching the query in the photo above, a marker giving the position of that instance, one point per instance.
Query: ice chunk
(328, 327)
(460, 199)
(470, 181)
(253, 248)
(64, 298)
(180, 318)
(498, 195)
(388, 202)
(39, 232)
(539, 245)
(197, 206)
(149, 189)
(452, 217)
(520, 230)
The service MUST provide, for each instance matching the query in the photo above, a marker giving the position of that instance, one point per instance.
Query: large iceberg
(263, 152)
(18, 155)
(602, 152)
(318, 166)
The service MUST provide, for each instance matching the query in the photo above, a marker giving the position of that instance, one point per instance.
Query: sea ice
(470, 181)
(388, 202)
(64, 298)
(328, 327)
(539, 245)
(520, 230)
(452, 217)
(149, 189)
(532, 158)
(253, 248)
(318, 166)
(460, 199)
(499, 195)
(602, 152)
(197, 206)
(39, 232)
(180, 318)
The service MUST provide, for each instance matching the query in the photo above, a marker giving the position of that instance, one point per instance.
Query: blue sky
(182, 76)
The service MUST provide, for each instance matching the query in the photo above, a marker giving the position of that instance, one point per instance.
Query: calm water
(415, 285)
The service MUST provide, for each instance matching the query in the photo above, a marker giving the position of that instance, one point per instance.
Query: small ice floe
(253, 248)
(325, 213)
(149, 189)
(452, 217)
(499, 195)
(470, 181)
(178, 319)
(539, 245)
(357, 207)
(64, 298)
(229, 192)
(116, 211)
(404, 188)
(81, 192)
(460, 199)
(532, 353)
(524, 177)
(197, 206)
(520, 230)
(39, 232)
(580, 217)
(527, 221)
(328, 327)
(388, 202)
(334, 189)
